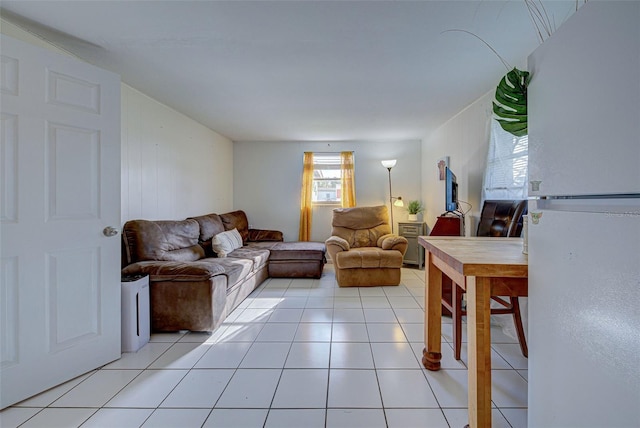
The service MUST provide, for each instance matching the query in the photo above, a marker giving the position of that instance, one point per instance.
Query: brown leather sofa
(190, 287)
(363, 249)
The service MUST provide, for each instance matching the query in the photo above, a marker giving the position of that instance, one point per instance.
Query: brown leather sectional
(193, 289)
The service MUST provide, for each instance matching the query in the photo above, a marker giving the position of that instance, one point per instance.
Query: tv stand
(449, 224)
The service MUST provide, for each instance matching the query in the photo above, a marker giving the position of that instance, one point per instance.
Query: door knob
(110, 231)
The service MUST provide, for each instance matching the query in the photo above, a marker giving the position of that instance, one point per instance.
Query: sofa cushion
(210, 225)
(161, 240)
(236, 220)
(298, 251)
(235, 269)
(225, 242)
(297, 260)
(361, 226)
(257, 255)
(265, 235)
(200, 270)
(368, 257)
(265, 245)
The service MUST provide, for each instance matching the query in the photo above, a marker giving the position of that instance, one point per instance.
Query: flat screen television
(451, 191)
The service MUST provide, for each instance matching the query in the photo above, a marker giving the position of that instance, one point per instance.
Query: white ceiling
(298, 70)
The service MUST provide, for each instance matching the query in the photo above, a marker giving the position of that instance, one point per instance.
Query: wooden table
(482, 267)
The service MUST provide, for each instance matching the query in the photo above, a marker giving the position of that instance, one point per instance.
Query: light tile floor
(297, 353)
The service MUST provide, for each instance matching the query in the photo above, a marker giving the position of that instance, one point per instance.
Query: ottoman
(297, 260)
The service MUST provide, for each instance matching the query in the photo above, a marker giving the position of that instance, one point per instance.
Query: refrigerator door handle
(627, 204)
(593, 196)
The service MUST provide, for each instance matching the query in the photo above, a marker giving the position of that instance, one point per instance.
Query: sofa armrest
(257, 235)
(341, 243)
(175, 271)
(336, 245)
(393, 242)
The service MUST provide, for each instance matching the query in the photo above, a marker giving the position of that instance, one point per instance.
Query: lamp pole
(390, 164)
(390, 199)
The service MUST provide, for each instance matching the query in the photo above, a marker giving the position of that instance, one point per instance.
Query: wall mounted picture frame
(443, 162)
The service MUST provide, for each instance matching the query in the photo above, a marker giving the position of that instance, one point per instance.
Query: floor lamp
(398, 200)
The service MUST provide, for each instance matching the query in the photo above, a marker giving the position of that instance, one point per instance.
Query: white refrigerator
(584, 247)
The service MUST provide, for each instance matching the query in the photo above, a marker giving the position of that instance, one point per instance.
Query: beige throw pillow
(225, 242)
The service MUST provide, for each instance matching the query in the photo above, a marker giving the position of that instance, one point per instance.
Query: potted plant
(414, 208)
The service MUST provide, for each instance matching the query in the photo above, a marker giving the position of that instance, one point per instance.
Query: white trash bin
(135, 312)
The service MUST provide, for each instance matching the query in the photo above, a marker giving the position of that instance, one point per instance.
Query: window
(327, 178)
(506, 173)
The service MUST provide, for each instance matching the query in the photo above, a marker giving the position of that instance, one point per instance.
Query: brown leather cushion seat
(297, 260)
(259, 256)
(369, 258)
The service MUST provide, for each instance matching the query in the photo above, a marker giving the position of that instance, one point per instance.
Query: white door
(60, 172)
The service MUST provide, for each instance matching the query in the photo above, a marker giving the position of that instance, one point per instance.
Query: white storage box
(135, 312)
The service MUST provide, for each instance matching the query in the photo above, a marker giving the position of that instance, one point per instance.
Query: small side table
(136, 318)
(415, 251)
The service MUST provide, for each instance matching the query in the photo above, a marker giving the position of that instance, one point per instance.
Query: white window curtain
(506, 173)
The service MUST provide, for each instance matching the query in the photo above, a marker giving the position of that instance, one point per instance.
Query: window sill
(327, 204)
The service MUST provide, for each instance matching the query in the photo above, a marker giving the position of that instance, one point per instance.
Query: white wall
(465, 139)
(268, 175)
(172, 166)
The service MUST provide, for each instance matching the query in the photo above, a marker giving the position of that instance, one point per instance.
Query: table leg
(431, 354)
(479, 350)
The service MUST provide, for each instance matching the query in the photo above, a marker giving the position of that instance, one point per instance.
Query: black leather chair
(502, 218)
(498, 219)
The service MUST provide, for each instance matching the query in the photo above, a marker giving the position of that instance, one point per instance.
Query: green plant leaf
(510, 116)
(519, 129)
(415, 207)
(510, 105)
(498, 109)
(505, 98)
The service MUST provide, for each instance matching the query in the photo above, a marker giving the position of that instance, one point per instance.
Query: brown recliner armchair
(363, 249)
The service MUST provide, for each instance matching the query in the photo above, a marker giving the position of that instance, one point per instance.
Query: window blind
(507, 163)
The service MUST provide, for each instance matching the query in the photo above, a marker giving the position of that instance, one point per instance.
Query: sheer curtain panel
(304, 234)
(348, 180)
